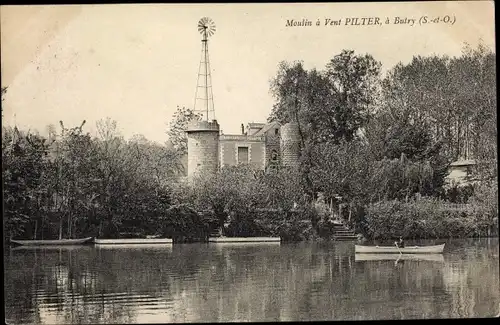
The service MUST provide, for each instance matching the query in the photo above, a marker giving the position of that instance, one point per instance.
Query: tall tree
(177, 128)
(354, 81)
(328, 105)
(24, 159)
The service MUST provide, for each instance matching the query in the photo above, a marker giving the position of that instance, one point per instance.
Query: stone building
(203, 146)
(257, 145)
(261, 145)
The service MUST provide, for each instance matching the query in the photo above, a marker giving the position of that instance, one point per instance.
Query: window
(274, 155)
(276, 131)
(242, 155)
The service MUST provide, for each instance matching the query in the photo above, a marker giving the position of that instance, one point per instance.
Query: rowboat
(55, 242)
(244, 239)
(359, 257)
(435, 249)
(163, 247)
(136, 241)
(54, 248)
(245, 243)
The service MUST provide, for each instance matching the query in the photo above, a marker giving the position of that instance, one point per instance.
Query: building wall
(459, 174)
(228, 150)
(272, 144)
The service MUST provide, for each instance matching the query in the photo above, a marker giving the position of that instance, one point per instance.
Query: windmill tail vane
(204, 99)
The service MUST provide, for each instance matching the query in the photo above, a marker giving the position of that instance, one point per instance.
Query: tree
(73, 178)
(177, 128)
(354, 81)
(453, 98)
(24, 159)
(329, 105)
(341, 169)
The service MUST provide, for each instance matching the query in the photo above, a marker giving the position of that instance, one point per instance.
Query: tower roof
(203, 126)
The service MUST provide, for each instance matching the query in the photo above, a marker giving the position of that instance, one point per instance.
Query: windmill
(204, 93)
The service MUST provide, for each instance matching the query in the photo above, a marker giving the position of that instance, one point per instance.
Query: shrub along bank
(428, 218)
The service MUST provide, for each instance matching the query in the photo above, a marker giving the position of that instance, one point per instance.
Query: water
(246, 282)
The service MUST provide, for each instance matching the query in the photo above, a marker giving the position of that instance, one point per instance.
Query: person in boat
(400, 243)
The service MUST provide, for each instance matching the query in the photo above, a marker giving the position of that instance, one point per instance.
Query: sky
(135, 63)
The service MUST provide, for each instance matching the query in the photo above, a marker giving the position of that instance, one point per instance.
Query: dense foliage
(392, 139)
(73, 185)
(428, 218)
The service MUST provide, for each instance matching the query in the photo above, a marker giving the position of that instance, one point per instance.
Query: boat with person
(433, 257)
(434, 249)
(52, 242)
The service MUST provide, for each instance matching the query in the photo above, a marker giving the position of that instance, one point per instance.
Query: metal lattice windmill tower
(203, 135)
(204, 98)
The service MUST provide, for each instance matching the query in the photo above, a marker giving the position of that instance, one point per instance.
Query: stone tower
(290, 145)
(203, 135)
(203, 147)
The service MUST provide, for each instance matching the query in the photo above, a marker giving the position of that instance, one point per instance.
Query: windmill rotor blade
(206, 25)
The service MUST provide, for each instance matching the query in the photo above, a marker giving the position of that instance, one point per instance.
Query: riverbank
(428, 218)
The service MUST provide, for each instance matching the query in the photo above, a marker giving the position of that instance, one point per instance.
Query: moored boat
(162, 246)
(244, 239)
(54, 247)
(135, 241)
(55, 242)
(434, 249)
(433, 257)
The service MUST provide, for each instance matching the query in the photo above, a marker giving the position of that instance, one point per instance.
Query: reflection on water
(249, 282)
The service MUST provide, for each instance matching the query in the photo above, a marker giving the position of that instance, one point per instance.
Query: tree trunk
(36, 229)
(60, 227)
(69, 225)
(466, 153)
(350, 212)
(41, 226)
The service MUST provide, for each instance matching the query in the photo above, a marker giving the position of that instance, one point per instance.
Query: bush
(293, 225)
(457, 193)
(425, 218)
(244, 224)
(184, 224)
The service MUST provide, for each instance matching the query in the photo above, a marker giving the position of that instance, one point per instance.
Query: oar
(396, 243)
(400, 254)
(396, 263)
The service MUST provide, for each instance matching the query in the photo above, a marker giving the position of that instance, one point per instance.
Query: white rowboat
(436, 249)
(397, 257)
(133, 241)
(244, 239)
